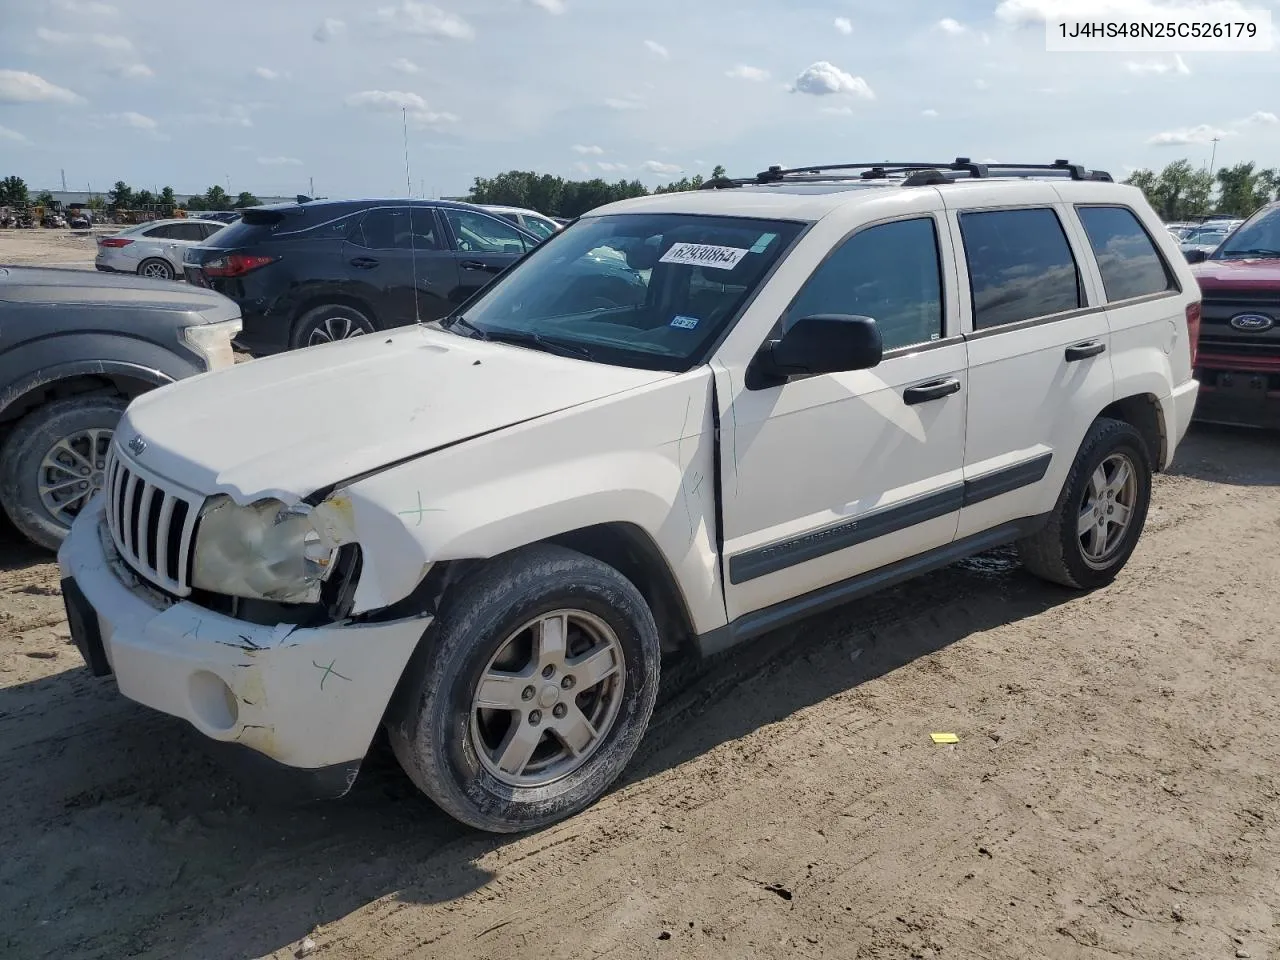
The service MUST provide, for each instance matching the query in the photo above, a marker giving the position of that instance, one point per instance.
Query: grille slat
(152, 526)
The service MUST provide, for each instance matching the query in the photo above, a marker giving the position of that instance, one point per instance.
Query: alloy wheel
(71, 472)
(1106, 509)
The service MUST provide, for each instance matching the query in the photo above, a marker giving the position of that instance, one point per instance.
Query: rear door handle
(933, 390)
(365, 263)
(1083, 351)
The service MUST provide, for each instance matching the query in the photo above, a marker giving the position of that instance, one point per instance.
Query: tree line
(14, 193)
(1179, 191)
(558, 197)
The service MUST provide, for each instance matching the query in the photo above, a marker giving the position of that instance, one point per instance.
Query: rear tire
(492, 678)
(1100, 512)
(156, 269)
(43, 463)
(327, 323)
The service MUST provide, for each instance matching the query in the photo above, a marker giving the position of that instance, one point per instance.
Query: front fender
(37, 375)
(644, 458)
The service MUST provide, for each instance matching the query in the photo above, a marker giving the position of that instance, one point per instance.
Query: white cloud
(609, 167)
(1158, 67)
(660, 168)
(655, 47)
(844, 25)
(629, 102)
(424, 20)
(1185, 136)
(402, 65)
(1259, 117)
(744, 72)
(266, 73)
(94, 8)
(556, 7)
(589, 150)
(582, 167)
(389, 101)
(12, 135)
(137, 121)
(1034, 12)
(18, 86)
(930, 113)
(280, 161)
(131, 71)
(953, 27)
(845, 111)
(823, 78)
(329, 29)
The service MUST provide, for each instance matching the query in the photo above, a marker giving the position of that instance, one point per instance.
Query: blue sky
(267, 93)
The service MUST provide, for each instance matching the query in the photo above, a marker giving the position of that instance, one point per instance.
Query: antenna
(413, 239)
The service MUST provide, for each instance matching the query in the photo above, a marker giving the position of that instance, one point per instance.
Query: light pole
(1213, 156)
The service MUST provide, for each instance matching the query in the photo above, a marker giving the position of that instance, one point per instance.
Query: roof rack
(913, 174)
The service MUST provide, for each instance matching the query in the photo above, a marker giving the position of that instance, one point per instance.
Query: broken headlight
(264, 551)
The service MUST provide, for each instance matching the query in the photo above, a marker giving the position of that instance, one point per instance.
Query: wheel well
(102, 385)
(1142, 412)
(341, 299)
(631, 552)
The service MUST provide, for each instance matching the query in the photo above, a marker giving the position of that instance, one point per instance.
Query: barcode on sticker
(704, 255)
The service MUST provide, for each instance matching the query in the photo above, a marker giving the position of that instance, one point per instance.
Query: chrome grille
(152, 525)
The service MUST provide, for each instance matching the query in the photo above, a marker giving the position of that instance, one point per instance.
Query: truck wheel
(1100, 513)
(531, 693)
(156, 269)
(52, 464)
(328, 323)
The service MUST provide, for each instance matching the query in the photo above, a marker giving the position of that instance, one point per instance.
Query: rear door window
(478, 233)
(1020, 266)
(1127, 259)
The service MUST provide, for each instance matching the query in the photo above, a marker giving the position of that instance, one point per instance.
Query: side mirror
(1196, 256)
(826, 343)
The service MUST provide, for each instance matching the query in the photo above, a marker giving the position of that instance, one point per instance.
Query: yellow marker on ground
(944, 738)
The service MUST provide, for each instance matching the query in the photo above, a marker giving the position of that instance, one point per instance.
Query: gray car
(77, 347)
(153, 249)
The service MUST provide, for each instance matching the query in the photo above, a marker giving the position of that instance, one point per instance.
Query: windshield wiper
(458, 320)
(537, 341)
(1252, 252)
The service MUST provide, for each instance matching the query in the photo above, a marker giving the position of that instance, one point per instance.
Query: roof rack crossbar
(914, 173)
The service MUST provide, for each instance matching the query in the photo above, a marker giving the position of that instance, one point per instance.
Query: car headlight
(213, 341)
(265, 551)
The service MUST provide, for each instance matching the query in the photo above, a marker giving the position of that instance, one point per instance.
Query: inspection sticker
(704, 255)
(684, 323)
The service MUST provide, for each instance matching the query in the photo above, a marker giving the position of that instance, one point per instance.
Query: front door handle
(473, 265)
(364, 263)
(1083, 351)
(933, 390)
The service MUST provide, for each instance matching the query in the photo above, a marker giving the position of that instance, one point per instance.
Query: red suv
(1238, 363)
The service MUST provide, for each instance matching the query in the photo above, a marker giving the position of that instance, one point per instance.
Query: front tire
(52, 464)
(531, 693)
(1100, 513)
(156, 269)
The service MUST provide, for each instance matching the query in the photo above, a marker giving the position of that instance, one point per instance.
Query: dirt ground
(51, 248)
(1113, 792)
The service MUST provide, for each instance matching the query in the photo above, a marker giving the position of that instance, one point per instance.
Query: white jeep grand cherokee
(682, 422)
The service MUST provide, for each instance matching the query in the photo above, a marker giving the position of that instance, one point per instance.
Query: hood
(1227, 275)
(289, 425)
(52, 285)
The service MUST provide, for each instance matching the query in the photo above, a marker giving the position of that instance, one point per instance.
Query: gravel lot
(1113, 792)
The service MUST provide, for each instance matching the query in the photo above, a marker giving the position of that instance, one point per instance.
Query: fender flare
(80, 368)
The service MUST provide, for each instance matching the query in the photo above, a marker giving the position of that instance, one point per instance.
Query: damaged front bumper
(293, 705)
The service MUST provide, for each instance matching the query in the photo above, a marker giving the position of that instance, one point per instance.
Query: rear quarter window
(1127, 258)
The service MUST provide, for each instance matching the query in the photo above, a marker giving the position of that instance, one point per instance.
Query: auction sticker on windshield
(704, 255)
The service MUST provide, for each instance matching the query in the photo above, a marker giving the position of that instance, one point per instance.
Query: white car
(153, 249)
(530, 220)
(485, 532)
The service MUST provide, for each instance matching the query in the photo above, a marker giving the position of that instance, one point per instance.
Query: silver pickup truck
(75, 348)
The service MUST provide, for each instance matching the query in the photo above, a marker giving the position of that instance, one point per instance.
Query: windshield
(641, 290)
(1258, 237)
